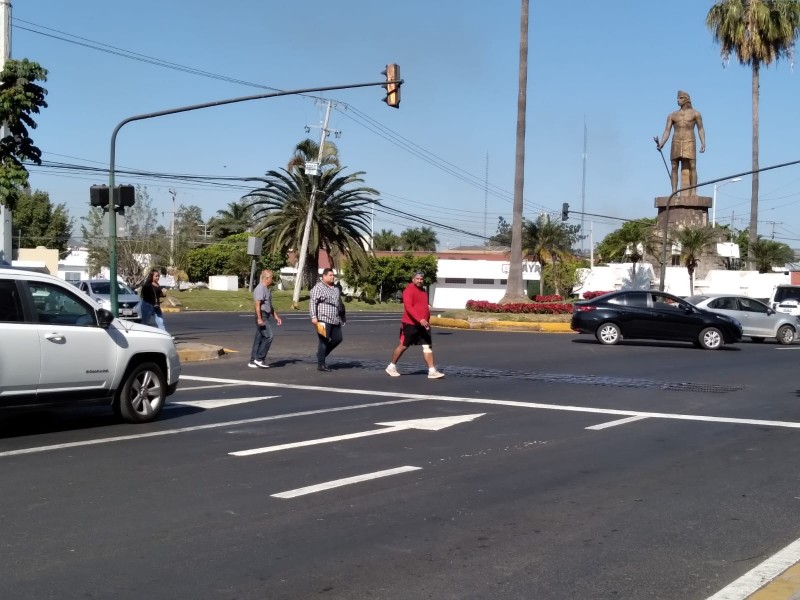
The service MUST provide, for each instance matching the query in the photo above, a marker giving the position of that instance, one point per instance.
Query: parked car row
(707, 321)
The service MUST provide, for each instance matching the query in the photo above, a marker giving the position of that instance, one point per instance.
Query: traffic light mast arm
(112, 214)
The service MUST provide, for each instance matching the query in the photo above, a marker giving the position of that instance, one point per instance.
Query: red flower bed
(590, 295)
(550, 298)
(539, 308)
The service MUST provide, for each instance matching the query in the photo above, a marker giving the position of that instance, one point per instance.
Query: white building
(461, 280)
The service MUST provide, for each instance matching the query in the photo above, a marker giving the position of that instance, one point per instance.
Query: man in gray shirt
(262, 301)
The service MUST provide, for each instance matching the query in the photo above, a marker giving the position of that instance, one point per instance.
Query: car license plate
(126, 312)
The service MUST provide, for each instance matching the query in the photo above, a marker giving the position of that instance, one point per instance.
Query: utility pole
(583, 184)
(301, 258)
(5, 55)
(172, 234)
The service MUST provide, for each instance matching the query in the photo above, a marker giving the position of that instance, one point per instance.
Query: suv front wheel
(143, 393)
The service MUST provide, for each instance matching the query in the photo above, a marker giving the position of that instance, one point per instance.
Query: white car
(58, 346)
(785, 298)
(758, 320)
(99, 290)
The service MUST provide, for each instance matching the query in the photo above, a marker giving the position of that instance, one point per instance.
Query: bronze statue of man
(682, 122)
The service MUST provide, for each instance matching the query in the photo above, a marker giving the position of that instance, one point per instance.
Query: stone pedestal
(684, 211)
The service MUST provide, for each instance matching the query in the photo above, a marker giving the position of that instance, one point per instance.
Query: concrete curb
(501, 325)
(195, 352)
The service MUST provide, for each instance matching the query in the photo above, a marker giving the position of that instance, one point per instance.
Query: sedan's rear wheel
(608, 334)
(785, 335)
(711, 338)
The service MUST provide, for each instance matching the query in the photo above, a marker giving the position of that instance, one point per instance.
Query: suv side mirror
(104, 317)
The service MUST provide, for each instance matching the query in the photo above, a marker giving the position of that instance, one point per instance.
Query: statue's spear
(655, 139)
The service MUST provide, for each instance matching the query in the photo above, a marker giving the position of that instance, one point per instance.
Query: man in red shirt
(415, 327)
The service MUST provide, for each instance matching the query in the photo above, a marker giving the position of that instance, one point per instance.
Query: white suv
(786, 299)
(58, 346)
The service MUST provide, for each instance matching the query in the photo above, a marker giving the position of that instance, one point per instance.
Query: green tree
(20, 97)
(36, 222)
(382, 277)
(386, 240)
(633, 241)
(547, 241)
(340, 221)
(419, 239)
(758, 32)
(189, 230)
(694, 242)
(229, 257)
(237, 218)
(502, 236)
(767, 254)
(308, 151)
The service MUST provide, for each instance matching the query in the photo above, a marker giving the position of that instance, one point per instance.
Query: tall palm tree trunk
(754, 192)
(514, 291)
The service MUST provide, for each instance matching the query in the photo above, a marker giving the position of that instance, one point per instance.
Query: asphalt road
(545, 467)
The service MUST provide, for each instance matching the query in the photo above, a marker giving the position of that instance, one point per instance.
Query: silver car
(128, 302)
(758, 320)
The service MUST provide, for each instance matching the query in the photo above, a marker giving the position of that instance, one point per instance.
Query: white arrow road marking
(329, 485)
(138, 436)
(434, 424)
(216, 403)
(615, 423)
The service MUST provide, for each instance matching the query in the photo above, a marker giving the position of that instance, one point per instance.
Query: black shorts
(413, 335)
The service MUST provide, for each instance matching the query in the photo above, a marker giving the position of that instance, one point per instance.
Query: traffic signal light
(564, 211)
(392, 74)
(98, 196)
(124, 197)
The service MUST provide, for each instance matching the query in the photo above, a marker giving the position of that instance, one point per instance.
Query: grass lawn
(242, 301)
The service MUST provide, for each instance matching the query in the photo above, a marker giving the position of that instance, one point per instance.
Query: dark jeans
(261, 342)
(327, 344)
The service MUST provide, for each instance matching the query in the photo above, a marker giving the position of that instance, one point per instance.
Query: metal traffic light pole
(112, 214)
(692, 187)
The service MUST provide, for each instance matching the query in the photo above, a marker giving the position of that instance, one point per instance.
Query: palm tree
(514, 292)
(758, 32)
(308, 151)
(237, 218)
(385, 240)
(769, 253)
(547, 241)
(694, 242)
(415, 239)
(633, 241)
(340, 223)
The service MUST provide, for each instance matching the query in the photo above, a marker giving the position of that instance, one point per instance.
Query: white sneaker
(261, 364)
(392, 371)
(252, 364)
(435, 374)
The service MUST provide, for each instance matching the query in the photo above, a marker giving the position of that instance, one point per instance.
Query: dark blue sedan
(640, 314)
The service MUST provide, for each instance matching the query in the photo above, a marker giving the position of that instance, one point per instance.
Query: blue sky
(616, 65)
